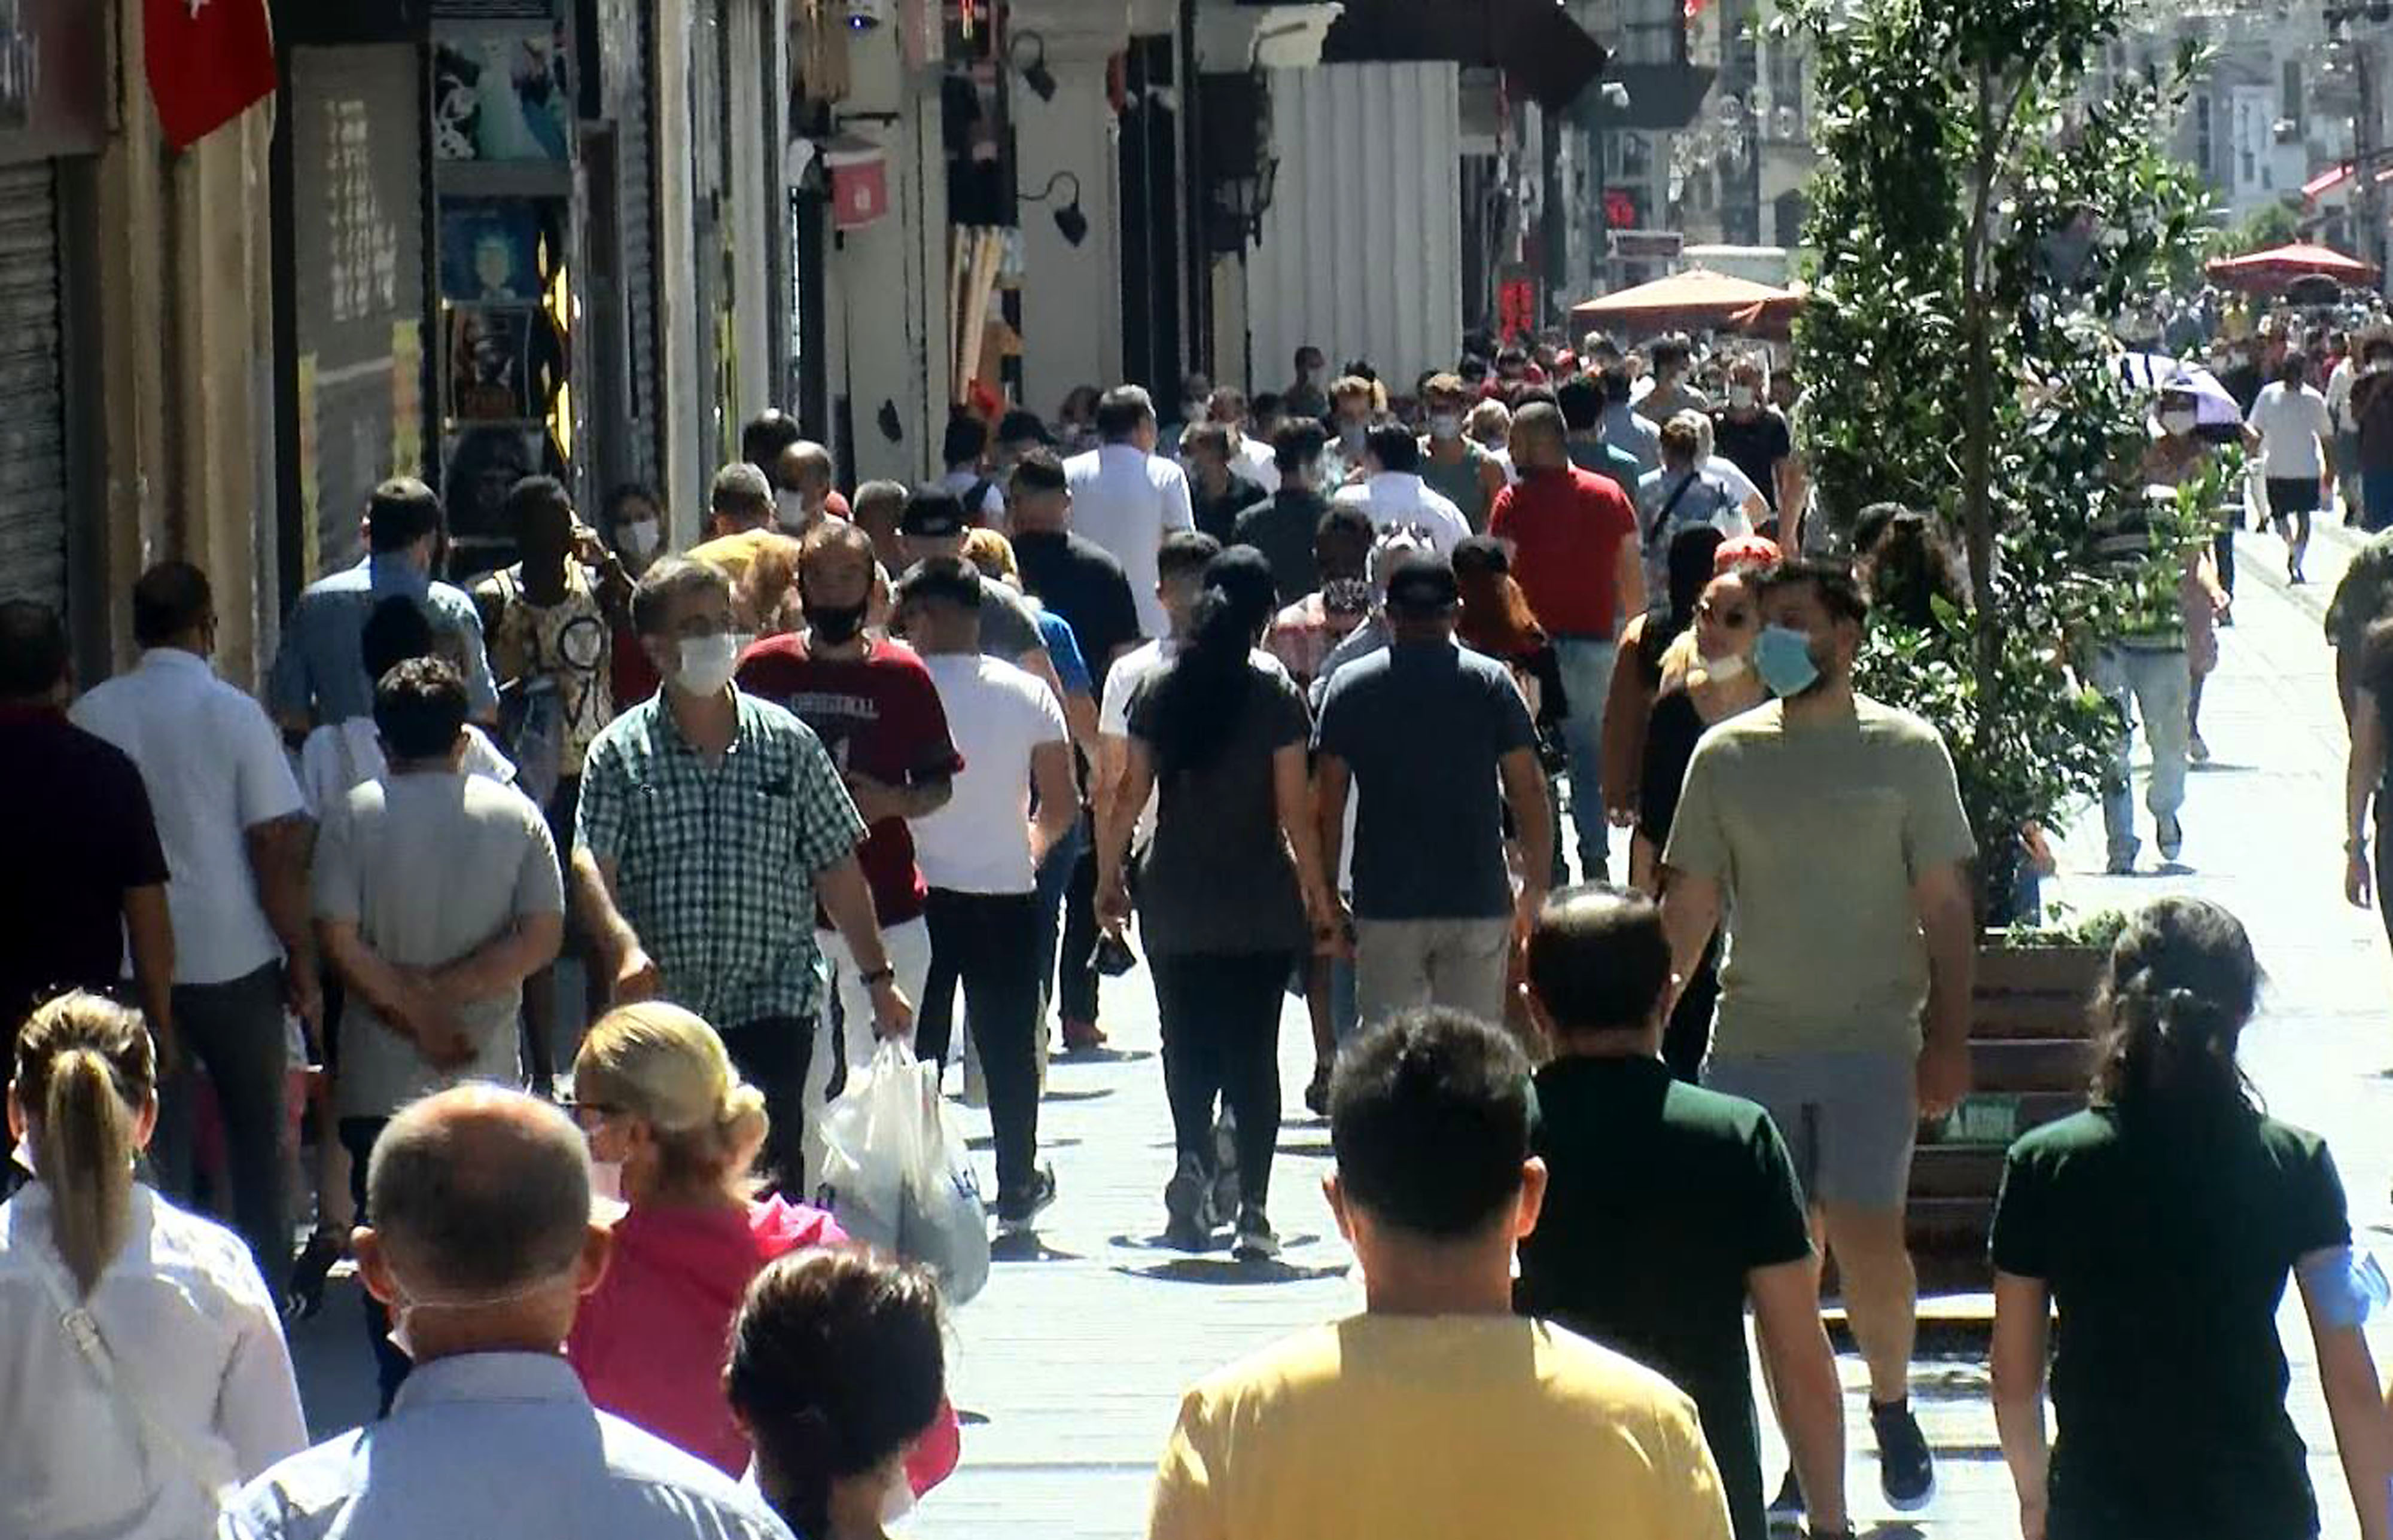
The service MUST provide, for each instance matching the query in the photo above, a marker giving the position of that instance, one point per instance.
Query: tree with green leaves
(1980, 224)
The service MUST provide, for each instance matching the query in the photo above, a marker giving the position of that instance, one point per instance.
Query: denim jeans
(2153, 685)
(1586, 664)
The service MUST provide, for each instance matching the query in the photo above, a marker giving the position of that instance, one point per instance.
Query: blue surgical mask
(1783, 657)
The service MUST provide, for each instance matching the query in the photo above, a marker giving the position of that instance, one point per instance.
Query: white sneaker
(2197, 751)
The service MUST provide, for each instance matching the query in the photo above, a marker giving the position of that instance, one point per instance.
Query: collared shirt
(491, 1445)
(1127, 500)
(190, 1328)
(215, 768)
(715, 859)
(1400, 500)
(320, 669)
(79, 815)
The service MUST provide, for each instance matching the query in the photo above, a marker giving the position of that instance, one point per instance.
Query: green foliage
(2273, 225)
(1978, 228)
(2099, 931)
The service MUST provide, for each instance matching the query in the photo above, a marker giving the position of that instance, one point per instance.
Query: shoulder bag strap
(81, 1329)
(1662, 520)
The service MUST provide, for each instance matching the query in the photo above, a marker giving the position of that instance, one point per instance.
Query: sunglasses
(1735, 620)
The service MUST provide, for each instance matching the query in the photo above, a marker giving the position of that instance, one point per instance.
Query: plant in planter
(1978, 230)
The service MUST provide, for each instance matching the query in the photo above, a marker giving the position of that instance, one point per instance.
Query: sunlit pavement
(1068, 1368)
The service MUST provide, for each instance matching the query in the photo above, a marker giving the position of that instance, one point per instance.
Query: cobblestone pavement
(1068, 1368)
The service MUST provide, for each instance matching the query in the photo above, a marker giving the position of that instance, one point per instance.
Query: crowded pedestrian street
(1243, 770)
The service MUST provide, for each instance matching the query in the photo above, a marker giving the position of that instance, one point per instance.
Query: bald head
(806, 467)
(1539, 436)
(479, 1189)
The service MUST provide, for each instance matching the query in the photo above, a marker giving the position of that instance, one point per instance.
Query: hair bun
(742, 1113)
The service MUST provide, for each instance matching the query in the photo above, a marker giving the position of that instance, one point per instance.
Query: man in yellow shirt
(740, 519)
(1436, 1412)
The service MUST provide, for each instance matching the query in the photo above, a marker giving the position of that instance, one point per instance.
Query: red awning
(2279, 265)
(1698, 297)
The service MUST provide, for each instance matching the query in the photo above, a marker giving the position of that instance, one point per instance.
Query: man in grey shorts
(1829, 828)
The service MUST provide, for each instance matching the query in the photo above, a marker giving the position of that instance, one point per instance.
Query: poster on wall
(479, 466)
(495, 251)
(494, 364)
(499, 92)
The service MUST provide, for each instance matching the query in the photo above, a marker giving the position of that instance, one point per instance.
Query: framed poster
(500, 92)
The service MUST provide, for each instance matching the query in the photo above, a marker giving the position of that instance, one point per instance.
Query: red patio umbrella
(2279, 265)
(1698, 298)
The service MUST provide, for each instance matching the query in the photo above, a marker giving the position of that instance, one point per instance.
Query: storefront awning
(1540, 49)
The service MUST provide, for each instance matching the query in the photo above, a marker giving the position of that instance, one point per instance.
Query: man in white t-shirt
(2290, 426)
(340, 755)
(979, 855)
(1394, 495)
(1126, 498)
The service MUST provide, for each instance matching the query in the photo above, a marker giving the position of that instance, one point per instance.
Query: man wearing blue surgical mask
(711, 823)
(1827, 791)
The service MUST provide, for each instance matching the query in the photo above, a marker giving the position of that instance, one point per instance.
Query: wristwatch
(882, 974)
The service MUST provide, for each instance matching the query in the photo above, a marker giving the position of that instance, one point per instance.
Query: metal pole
(2363, 157)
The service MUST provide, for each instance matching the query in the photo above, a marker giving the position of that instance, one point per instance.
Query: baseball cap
(933, 513)
(1423, 583)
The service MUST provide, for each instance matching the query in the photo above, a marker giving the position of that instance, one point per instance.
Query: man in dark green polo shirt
(1669, 1205)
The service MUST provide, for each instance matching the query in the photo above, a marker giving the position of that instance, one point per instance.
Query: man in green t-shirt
(1829, 828)
(1669, 1205)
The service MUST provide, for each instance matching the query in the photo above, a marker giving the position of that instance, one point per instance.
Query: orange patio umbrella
(2272, 269)
(1697, 298)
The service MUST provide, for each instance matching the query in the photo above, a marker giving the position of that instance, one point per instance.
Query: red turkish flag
(210, 60)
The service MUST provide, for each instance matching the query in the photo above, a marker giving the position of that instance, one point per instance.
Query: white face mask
(1445, 427)
(637, 538)
(790, 508)
(606, 1181)
(2178, 424)
(1726, 669)
(706, 663)
(408, 1305)
(1741, 397)
(897, 1497)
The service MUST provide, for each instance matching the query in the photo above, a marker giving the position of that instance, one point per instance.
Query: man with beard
(1826, 792)
(872, 703)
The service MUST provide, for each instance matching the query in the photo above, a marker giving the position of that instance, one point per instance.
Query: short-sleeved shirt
(1282, 527)
(342, 754)
(878, 715)
(1779, 813)
(2292, 421)
(1303, 634)
(1656, 1266)
(731, 554)
(2364, 597)
(215, 769)
(1126, 501)
(1754, 445)
(2372, 414)
(1064, 652)
(431, 865)
(1669, 502)
(1436, 1425)
(715, 861)
(1567, 528)
(1008, 625)
(1217, 878)
(1081, 581)
(1218, 515)
(320, 669)
(569, 645)
(2167, 1246)
(1000, 716)
(79, 818)
(1424, 726)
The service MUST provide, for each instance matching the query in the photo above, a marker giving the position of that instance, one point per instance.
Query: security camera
(864, 16)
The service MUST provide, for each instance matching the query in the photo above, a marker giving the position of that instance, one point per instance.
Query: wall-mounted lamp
(1040, 79)
(1070, 223)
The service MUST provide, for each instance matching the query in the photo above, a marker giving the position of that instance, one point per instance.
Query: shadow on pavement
(1097, 1095)
(1203, 1270)
(986, 1142)
(1073, 1058)
(1309, 1148)
(1027, 1248)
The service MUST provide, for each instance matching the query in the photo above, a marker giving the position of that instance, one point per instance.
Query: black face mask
(835, 627)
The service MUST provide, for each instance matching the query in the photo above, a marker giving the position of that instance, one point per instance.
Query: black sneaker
(1906, 1471)
(1255, 1241)
(1187, 1206)
(1018, 1208)
(1316, 1095)
(1786, 1508)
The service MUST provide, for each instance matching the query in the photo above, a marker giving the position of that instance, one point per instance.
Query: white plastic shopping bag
(897, 1175)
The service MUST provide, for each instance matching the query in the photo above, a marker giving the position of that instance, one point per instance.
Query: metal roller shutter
(33, 400)
(637, 213)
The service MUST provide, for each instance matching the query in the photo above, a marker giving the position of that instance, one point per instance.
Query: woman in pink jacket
(675, 1130)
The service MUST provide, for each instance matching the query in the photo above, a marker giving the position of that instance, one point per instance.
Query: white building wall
(1361, 249)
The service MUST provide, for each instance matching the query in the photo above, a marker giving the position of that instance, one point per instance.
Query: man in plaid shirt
(711, 823)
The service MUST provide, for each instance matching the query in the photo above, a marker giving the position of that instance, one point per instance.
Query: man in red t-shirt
(872, 703)
(1574, 542)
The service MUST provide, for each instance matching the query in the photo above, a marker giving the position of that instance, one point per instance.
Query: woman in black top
(1229, 890)
(2164, 1221)
(1637, 666)
(1707, 676)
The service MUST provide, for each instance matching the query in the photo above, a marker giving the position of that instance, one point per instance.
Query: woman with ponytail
(674, 1135)
(2164, 1222)
(146, 1370)
(1229, 892)
(838, 1370)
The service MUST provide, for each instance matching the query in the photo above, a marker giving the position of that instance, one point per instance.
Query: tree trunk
(1977, 415)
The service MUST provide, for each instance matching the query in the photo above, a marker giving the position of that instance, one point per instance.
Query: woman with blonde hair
(147, 1371)
(673, 1132)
